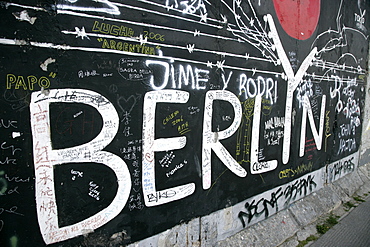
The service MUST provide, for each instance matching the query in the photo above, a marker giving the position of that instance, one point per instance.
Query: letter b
(45, 158)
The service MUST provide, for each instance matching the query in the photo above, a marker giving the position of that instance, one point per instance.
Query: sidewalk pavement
(351, 231)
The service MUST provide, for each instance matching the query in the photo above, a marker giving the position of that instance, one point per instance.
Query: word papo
(20, 82)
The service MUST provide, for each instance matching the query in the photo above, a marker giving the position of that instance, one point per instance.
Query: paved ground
(352, 231)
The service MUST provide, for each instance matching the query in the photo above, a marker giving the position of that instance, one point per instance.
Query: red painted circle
(298, 18)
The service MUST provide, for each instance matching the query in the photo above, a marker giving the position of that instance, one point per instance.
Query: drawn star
(190, 47)
(209, 64)
(196, 33)
(81, 33)
(143, 41)
(203, 17)
(246, 56)
(251, 22)
(323, 65)
(224, 19)
(220, 65)
(160, 52)
(254, 71)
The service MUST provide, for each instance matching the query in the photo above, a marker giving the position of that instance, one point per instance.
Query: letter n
(45, 158)
(317, 135)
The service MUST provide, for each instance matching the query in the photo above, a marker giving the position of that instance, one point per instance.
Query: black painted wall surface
(137, 116)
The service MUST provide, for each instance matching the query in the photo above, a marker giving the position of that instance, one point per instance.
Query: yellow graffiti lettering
(20, 82)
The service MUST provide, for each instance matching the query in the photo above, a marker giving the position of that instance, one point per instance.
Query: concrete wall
(285, 228)
(179, 123)
(365, 144)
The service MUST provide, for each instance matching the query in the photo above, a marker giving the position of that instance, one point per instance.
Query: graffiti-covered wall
(137, 116)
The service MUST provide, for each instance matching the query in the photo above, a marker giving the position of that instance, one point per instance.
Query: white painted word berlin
(45, 157)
